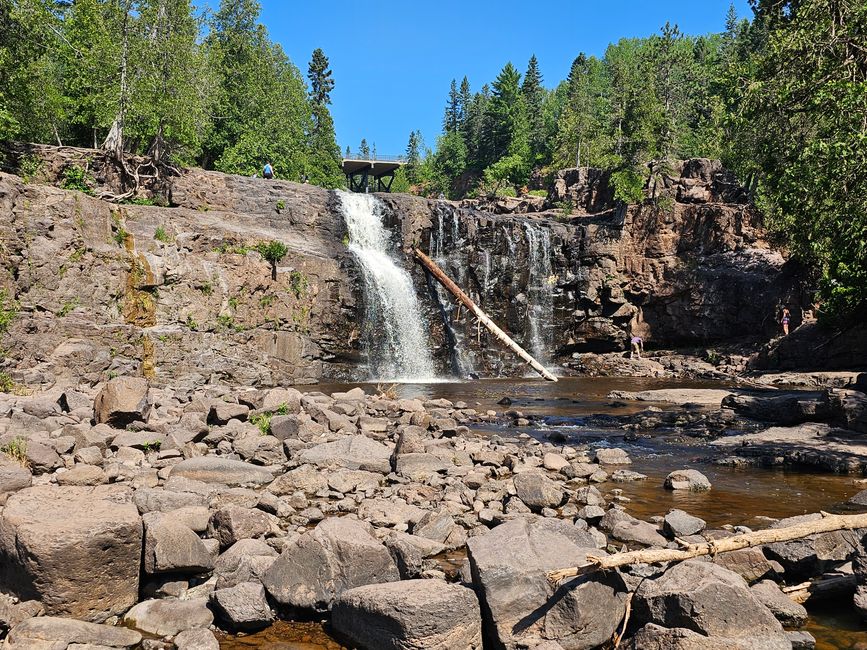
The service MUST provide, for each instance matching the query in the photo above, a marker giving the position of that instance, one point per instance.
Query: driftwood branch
(828, 523)
(456, 291)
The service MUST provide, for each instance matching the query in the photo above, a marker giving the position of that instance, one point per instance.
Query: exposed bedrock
(181, 294)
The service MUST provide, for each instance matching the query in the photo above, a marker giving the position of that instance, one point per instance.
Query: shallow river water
(738, 496)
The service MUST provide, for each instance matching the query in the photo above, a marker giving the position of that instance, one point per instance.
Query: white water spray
(395, 335)
(540, 291)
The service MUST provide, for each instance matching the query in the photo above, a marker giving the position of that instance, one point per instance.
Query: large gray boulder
(172, 547)
(810, 556)
(519, 605)
(243, 607)
(169, 617)
(352, 452)
(687, 479)
(121, 401)
(245, 560)
(77, 550)
(13, 477)
(52, 633)
(537, 491)
(409, 615)
(339, 554)
(232, 523)
(706, 599)
(781, 409)
(213, 469)
(196, 639)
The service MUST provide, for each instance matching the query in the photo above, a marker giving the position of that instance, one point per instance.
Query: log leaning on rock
(827, 524)
(456, 291)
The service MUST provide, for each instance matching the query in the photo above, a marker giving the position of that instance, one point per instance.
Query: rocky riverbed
(153, 517)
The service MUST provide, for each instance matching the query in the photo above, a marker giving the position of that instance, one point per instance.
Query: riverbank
(252, 505)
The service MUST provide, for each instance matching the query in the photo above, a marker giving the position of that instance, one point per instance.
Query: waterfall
(395, 335)
(540, 302)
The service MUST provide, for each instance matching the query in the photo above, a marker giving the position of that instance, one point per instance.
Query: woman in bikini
(785, 321)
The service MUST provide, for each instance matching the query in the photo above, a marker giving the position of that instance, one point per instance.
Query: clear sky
(393, 61)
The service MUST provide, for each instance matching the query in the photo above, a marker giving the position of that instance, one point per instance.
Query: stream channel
(740, 496)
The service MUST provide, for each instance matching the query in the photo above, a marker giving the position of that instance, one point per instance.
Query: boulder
(749, 563)
(678, 523)
(243, 607)
(708, 600)
(245, 560)
(352, 452)
(121, 401)
(339, 554)
(626, 528)
(172, 547)
(197, 639)
(787, 611)
(538, 491)
(213, 469)
(52, 633)
(519, 607)
(612, 456)
(810, 556)
(170, 616)
(75, 549)
(781, 409)
(82, 475)
(232, 523)
(13, 477)
(656, 637)
(687, 479)
(409, 615)
(306, 479)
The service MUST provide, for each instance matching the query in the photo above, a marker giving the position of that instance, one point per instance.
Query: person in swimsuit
(784, 321)
(637, 346)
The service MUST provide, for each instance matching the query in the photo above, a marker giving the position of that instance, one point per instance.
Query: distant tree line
(157, 77)
(781, 99)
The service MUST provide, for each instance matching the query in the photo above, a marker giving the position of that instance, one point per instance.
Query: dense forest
(780, 97)
(159, 77)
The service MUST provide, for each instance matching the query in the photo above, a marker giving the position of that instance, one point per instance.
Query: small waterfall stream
(394, 332)
(540, 301)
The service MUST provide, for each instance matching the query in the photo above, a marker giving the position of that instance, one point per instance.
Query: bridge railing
(377, 158)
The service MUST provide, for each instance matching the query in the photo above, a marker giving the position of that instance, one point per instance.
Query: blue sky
(393, 61)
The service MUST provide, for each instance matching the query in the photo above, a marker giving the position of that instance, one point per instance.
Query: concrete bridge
(366, 174)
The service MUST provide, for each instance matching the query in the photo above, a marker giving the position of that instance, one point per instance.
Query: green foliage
(140, 200)
(8, 310)
(541, 193)
(207, 289)
(76, 178)
(263, 421)
(232, 249)
(6, 383)
(281, 204)
(227, 322)
(190, 323)
(266, 301)
(628, 186)
(29, 166)
(160, 234)
(16, 449)
(799, 135)
(68, 306)
(120, 234)
(273, 251)
(298, 284)
(510, 169)
(151, 445)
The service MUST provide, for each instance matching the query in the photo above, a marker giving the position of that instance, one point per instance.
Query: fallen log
(827, 524)
(825, 587)
(456, 291)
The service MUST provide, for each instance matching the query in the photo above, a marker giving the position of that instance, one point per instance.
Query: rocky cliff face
(180, 294)
(177, 294)
(692, 268)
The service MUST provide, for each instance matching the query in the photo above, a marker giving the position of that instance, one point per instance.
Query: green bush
(6, 383)
(273, 251)
(160, 234)
(76, 178)
(28, 167)
(8, 310)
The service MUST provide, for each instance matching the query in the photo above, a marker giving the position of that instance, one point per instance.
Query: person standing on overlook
(268, 171)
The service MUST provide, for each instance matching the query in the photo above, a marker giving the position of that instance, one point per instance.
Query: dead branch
(828, 523)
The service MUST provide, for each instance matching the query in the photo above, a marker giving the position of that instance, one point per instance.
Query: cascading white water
(394, 332)
(540, 303)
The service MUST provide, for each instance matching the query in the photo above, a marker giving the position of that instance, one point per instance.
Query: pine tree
(348, 152)
(364, 150)
(413, 156)
(534, 95)
(465, 97)
(506, 129)
(452, 116)
(319, 74)
(324, 166)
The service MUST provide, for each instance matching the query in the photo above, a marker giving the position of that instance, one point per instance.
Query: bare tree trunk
(456, 291)
(114, 140)
(826, 524)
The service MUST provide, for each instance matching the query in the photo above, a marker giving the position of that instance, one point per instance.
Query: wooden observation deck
(361, 170)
